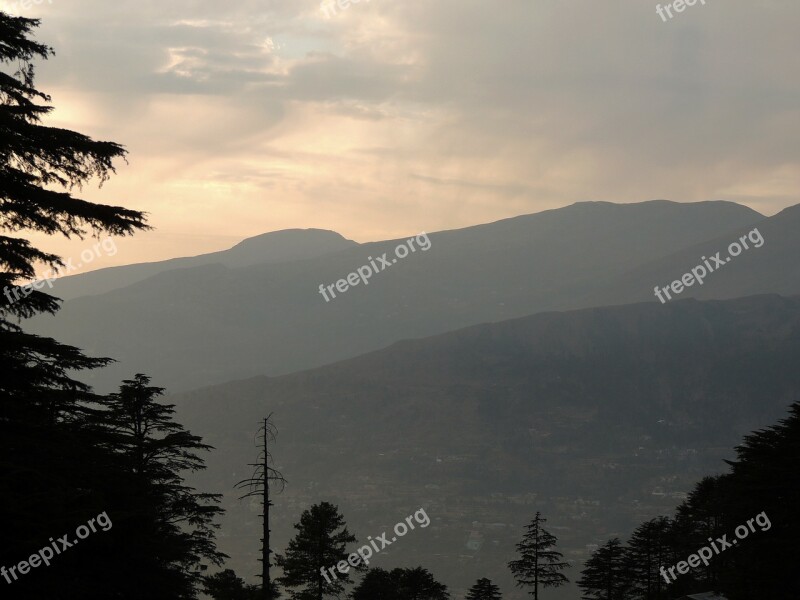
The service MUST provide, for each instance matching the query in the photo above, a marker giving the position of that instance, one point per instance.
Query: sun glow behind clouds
(395, 117)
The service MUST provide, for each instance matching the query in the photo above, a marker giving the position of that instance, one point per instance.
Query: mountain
(772, 267)
(278, 246)
(213, 323)
(600, 418)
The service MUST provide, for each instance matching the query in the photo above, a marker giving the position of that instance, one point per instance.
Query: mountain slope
(773, 267)
(192, 327)
(599, 418)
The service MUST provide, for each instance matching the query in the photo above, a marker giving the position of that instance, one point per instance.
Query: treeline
(736, 534)
(317, 564)
(121, 455)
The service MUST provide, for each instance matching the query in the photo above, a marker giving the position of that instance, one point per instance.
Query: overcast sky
(397, 116)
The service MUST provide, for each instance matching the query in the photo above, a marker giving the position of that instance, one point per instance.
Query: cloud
(391, 117)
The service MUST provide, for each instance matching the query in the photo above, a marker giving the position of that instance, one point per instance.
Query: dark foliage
(539, 564)
(400, 584)
(607, 573)
(484, 589)
(67, 455)
(753, 508)
(320, 543)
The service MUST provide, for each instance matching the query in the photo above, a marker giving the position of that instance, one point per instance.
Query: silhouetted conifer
(539, 564)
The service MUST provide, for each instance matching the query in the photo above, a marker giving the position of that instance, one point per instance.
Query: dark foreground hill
(213, 323)
(600, 418)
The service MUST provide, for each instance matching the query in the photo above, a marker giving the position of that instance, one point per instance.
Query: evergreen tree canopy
(172, 525)
(34, 158)
(227, 586)
(648, 550)
(400, 584)
(54, 474)
(539, 564)
(378, 584)
(758, 498)
(320, 543)
(607, 574)
(484, 589)
(764, 478)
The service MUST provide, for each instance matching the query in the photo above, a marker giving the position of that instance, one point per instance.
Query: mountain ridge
(270, 318)
(275, 246)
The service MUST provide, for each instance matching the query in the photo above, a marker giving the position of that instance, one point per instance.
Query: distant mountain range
(256, 309)
(600, 418)
(275, 247)
(774, 267)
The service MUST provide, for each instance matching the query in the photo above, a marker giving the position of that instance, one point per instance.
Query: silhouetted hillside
(773, 267)
(213, 323)
(599, 418)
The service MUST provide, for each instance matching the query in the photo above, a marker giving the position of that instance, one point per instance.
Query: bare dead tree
(259, 484)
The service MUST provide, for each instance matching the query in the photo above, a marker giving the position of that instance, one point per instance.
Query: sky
(392, 117)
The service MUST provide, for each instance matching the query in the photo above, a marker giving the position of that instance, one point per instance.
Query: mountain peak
(287, 244)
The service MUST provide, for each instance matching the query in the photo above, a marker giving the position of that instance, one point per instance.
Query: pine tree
(539, 564)
(759, 495)
(378, 584)
(607, 574)
(400, 584)
(764, 489)
(34, 159)
(484, 589)
(171, 526)
(227, 586)
(320, 544)
(419, 584)
(701, 516)
(53, 475)
(649, 550)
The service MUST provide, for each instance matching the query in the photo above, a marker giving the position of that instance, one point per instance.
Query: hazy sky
(397, 116)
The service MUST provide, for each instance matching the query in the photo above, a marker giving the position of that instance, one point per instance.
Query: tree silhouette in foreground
(320, 543)
(607, 573)
(171, 527)
(378, 584)
(227, 586)
(759, 498)
(400, 584)
(259, 484)
(53, 472)
(539, 564)
(484, 589)
(649, 550)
